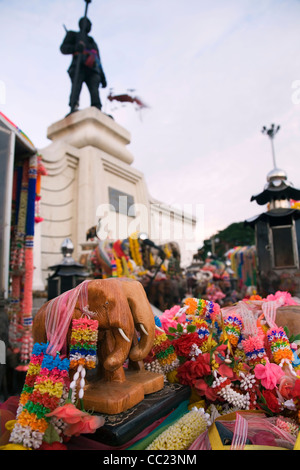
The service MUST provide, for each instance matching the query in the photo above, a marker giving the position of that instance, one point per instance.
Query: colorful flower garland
(83, 344)
(279, 345)
(241, 360)
(83, 348)
(163, 357)
(204, 308)
(233, 326)
(46, 380)
(21, 262)
(135, 249)
(254, 350)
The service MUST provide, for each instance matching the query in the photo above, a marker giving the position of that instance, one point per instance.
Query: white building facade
(91, 177)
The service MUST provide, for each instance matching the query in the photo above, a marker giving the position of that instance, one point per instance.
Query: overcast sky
(212, 73)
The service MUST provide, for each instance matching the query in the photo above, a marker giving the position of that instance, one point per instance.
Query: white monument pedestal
(88, 165)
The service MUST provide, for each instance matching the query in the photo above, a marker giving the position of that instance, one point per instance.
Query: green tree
(236, 234)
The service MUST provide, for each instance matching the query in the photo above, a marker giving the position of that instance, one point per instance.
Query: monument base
(121, 428)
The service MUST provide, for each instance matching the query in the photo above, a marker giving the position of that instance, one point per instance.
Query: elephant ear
(142, 316)
(38, 328)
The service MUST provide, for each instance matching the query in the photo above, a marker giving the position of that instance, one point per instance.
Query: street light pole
(271, 133)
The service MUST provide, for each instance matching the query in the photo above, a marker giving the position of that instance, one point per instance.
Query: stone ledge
(91, 127)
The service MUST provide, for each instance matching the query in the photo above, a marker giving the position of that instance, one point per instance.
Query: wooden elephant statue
(126, 332)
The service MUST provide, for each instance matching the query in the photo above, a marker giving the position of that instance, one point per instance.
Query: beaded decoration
(223, 387)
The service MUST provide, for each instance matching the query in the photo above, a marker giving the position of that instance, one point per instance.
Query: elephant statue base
(116, 397)
(126, 330)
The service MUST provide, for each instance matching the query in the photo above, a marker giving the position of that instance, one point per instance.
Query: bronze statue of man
(86, 65)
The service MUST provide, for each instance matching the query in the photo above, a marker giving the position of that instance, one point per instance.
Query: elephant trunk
(116, 349)
(143, 320)
(115, 319)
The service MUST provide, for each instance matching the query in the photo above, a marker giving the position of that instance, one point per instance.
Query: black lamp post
(67, 274)
(271, 133)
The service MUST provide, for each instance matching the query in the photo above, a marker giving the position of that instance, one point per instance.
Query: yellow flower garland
(167, 251)
(135, 249)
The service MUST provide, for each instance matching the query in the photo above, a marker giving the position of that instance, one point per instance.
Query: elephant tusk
(159, 329)
(123, 335)
(143, 329)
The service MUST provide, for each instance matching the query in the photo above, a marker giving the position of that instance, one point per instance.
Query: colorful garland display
(46, 413)
(129, 258)
(232, 359)
(235, 363)
(48, 407)
(25, 213)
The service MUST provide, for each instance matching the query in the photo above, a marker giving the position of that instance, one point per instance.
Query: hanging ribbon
(59, 314)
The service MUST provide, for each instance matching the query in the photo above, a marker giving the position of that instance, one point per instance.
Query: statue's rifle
(76, 75)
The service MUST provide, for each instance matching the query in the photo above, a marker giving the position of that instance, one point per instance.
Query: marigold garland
(135, 249)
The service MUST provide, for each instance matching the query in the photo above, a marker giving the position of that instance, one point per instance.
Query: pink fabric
(240, 433)
(269, 375)
(202, 442)
(59, 314)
